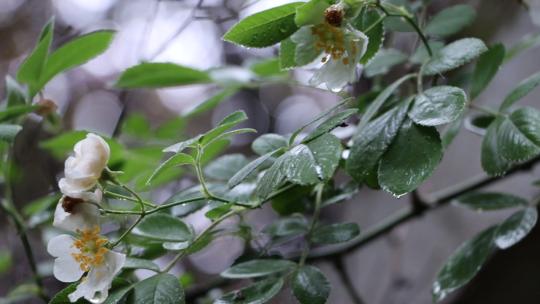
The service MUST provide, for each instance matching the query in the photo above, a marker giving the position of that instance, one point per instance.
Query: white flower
(77, 213)
(343, 47)
(85, 253)
(83, 169)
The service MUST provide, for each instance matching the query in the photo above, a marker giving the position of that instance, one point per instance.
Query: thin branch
(347, 281)
(404, 215)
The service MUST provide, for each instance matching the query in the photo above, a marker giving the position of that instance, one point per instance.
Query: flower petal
(84, 216)
(61, 245)
(67, 270)
(95, 287)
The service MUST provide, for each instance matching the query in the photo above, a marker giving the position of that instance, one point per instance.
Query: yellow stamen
(91, 246)
(329, 39)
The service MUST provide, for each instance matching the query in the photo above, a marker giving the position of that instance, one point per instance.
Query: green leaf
(162, 288)
(257, 268)
(312, 12)
(292, 201)
(421, 54)
(160, 75)
(522, 89)
(135, 263)
(492, 161)
(515, 228)
(454, 55)
(490, 201)
(163, 227)
(62, 296)
(451, 20)
(226, 166)
(487, 66)
(243, 173)
(136, 125)
(118, 296)
(287, 227)
(15, 94)
(9, 132)
(452, 131)
(227, 123)
(330, 124)
(257, 293)
(526, 42)
(75, 53)
(218, 211)
(181, 146)
(265, 28)
(272, 178)
(335, 233)
(438, 105)
(316, 161)
(383, 62)
(287, 51)
(369, 19)
(411, 158)
(518, 135)
(464, 264)
(370, 143)
(16, 111)
(211, 102)
(31, 69)
(310, 286)
(176, 160)
(267, 68)
(5, 261)
(377, 104)
(191, 193)
(267, 143)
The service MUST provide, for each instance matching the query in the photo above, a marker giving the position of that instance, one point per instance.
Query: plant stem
(9, 208)
(127, 198)
(413, 24)
(347, 282)
(318, 199)
(207, 230)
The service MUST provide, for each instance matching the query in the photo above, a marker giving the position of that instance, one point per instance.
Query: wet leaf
(487, 66)
(451, 20)
(163, 227)
(162, 288)
(384, 61)
(490, 201)
(515, 228)
(160, 75)
(335, 233)
(257, 293)
(370, 143)
(310, 286)
(411, 158)
(257, 268)
(522, 89)
(455, 55)
(226, 166)
(268, 143)
(265, 28)
(438, 105)
(464, 264)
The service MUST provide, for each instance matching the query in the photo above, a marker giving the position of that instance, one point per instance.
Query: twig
(404, 215)
(347, 282)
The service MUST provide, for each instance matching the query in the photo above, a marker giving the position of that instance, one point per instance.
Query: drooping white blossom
(85, 256)
(342, 47)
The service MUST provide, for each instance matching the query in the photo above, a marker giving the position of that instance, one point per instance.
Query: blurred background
(398, 268)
